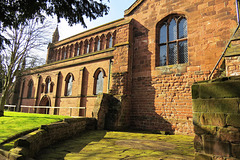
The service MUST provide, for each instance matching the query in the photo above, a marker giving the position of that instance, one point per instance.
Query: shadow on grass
(120, 145)
(74, 145)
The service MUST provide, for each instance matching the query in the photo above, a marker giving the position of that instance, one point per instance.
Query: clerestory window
(172, 41)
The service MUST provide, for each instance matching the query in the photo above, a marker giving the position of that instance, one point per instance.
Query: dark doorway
(45, 101)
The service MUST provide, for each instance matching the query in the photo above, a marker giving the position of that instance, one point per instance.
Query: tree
(1, 74)
(15, 12)
(29, 37)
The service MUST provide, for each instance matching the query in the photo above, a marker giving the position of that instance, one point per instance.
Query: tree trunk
(2, 103)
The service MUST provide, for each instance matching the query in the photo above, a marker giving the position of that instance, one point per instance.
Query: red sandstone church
(147, 60)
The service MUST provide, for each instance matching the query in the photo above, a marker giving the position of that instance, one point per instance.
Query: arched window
(51, 87)
(86, 47)
(102, 42)
(30, 88)
(98, 45)
(70, 51)
(172, 41)
(69, 80)
(110, 42)
(78, 51)
(91, 46)
(48, 81)
(98, 81)
(64, 54)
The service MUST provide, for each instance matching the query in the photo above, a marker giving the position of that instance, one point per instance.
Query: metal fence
(8, 107)
(45, 109)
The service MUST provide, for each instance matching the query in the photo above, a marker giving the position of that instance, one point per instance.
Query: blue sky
(117, 8)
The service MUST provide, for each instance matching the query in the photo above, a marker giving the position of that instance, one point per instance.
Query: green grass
(113, 145)
(13, 123)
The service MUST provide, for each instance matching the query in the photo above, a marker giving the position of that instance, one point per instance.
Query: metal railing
(8, 106)
(36, 109)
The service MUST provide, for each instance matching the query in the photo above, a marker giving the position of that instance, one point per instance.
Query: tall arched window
(30, 88)
(172, 41)
(48, 81)
(98, 81)
(69, 80)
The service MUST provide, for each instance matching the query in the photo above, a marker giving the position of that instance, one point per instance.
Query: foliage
(27, 38)
(17, 122)
(14, 12)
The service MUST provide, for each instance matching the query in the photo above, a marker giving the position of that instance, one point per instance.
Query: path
(107, 145)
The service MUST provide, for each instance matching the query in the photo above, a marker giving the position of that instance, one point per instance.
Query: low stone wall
(29, 145)
(216, 118)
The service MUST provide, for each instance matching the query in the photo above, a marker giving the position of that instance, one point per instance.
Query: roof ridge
(132, 7)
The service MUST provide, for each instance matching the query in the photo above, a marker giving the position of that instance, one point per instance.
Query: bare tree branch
(24, 40)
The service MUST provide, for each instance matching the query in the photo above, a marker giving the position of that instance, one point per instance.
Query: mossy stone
(195, 91)
(226, 89)
(233, 120)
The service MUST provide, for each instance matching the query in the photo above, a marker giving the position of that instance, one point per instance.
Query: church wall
(75, 98)
(114, 61)
(161, 95)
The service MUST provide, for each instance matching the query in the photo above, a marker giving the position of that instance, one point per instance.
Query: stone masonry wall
(30, 144)
(216, 115)
(161, 95)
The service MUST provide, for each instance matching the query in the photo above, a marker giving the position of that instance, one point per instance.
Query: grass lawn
(16, 122)
(112, 145)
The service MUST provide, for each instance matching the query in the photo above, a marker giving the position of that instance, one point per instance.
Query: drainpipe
(109, 74)
(237, 10)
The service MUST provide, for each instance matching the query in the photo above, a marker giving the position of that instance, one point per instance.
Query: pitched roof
(132, 7)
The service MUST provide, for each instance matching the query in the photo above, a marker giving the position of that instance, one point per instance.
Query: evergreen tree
(15, 12)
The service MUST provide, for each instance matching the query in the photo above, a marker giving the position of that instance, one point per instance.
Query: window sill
(177, 69)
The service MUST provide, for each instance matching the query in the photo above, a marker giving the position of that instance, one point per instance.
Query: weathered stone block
(219, 119)
(200, 156)
(13, 156)
(18, 152)
(211, 145)
(198, 143)
(200, 130)
(197, 105)
(195, 91)
(196, 118)
(236, 150)
(218, 158)
(216, 119)
(225, 105)
(233, 120)
(228, 89)
(229, 134)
